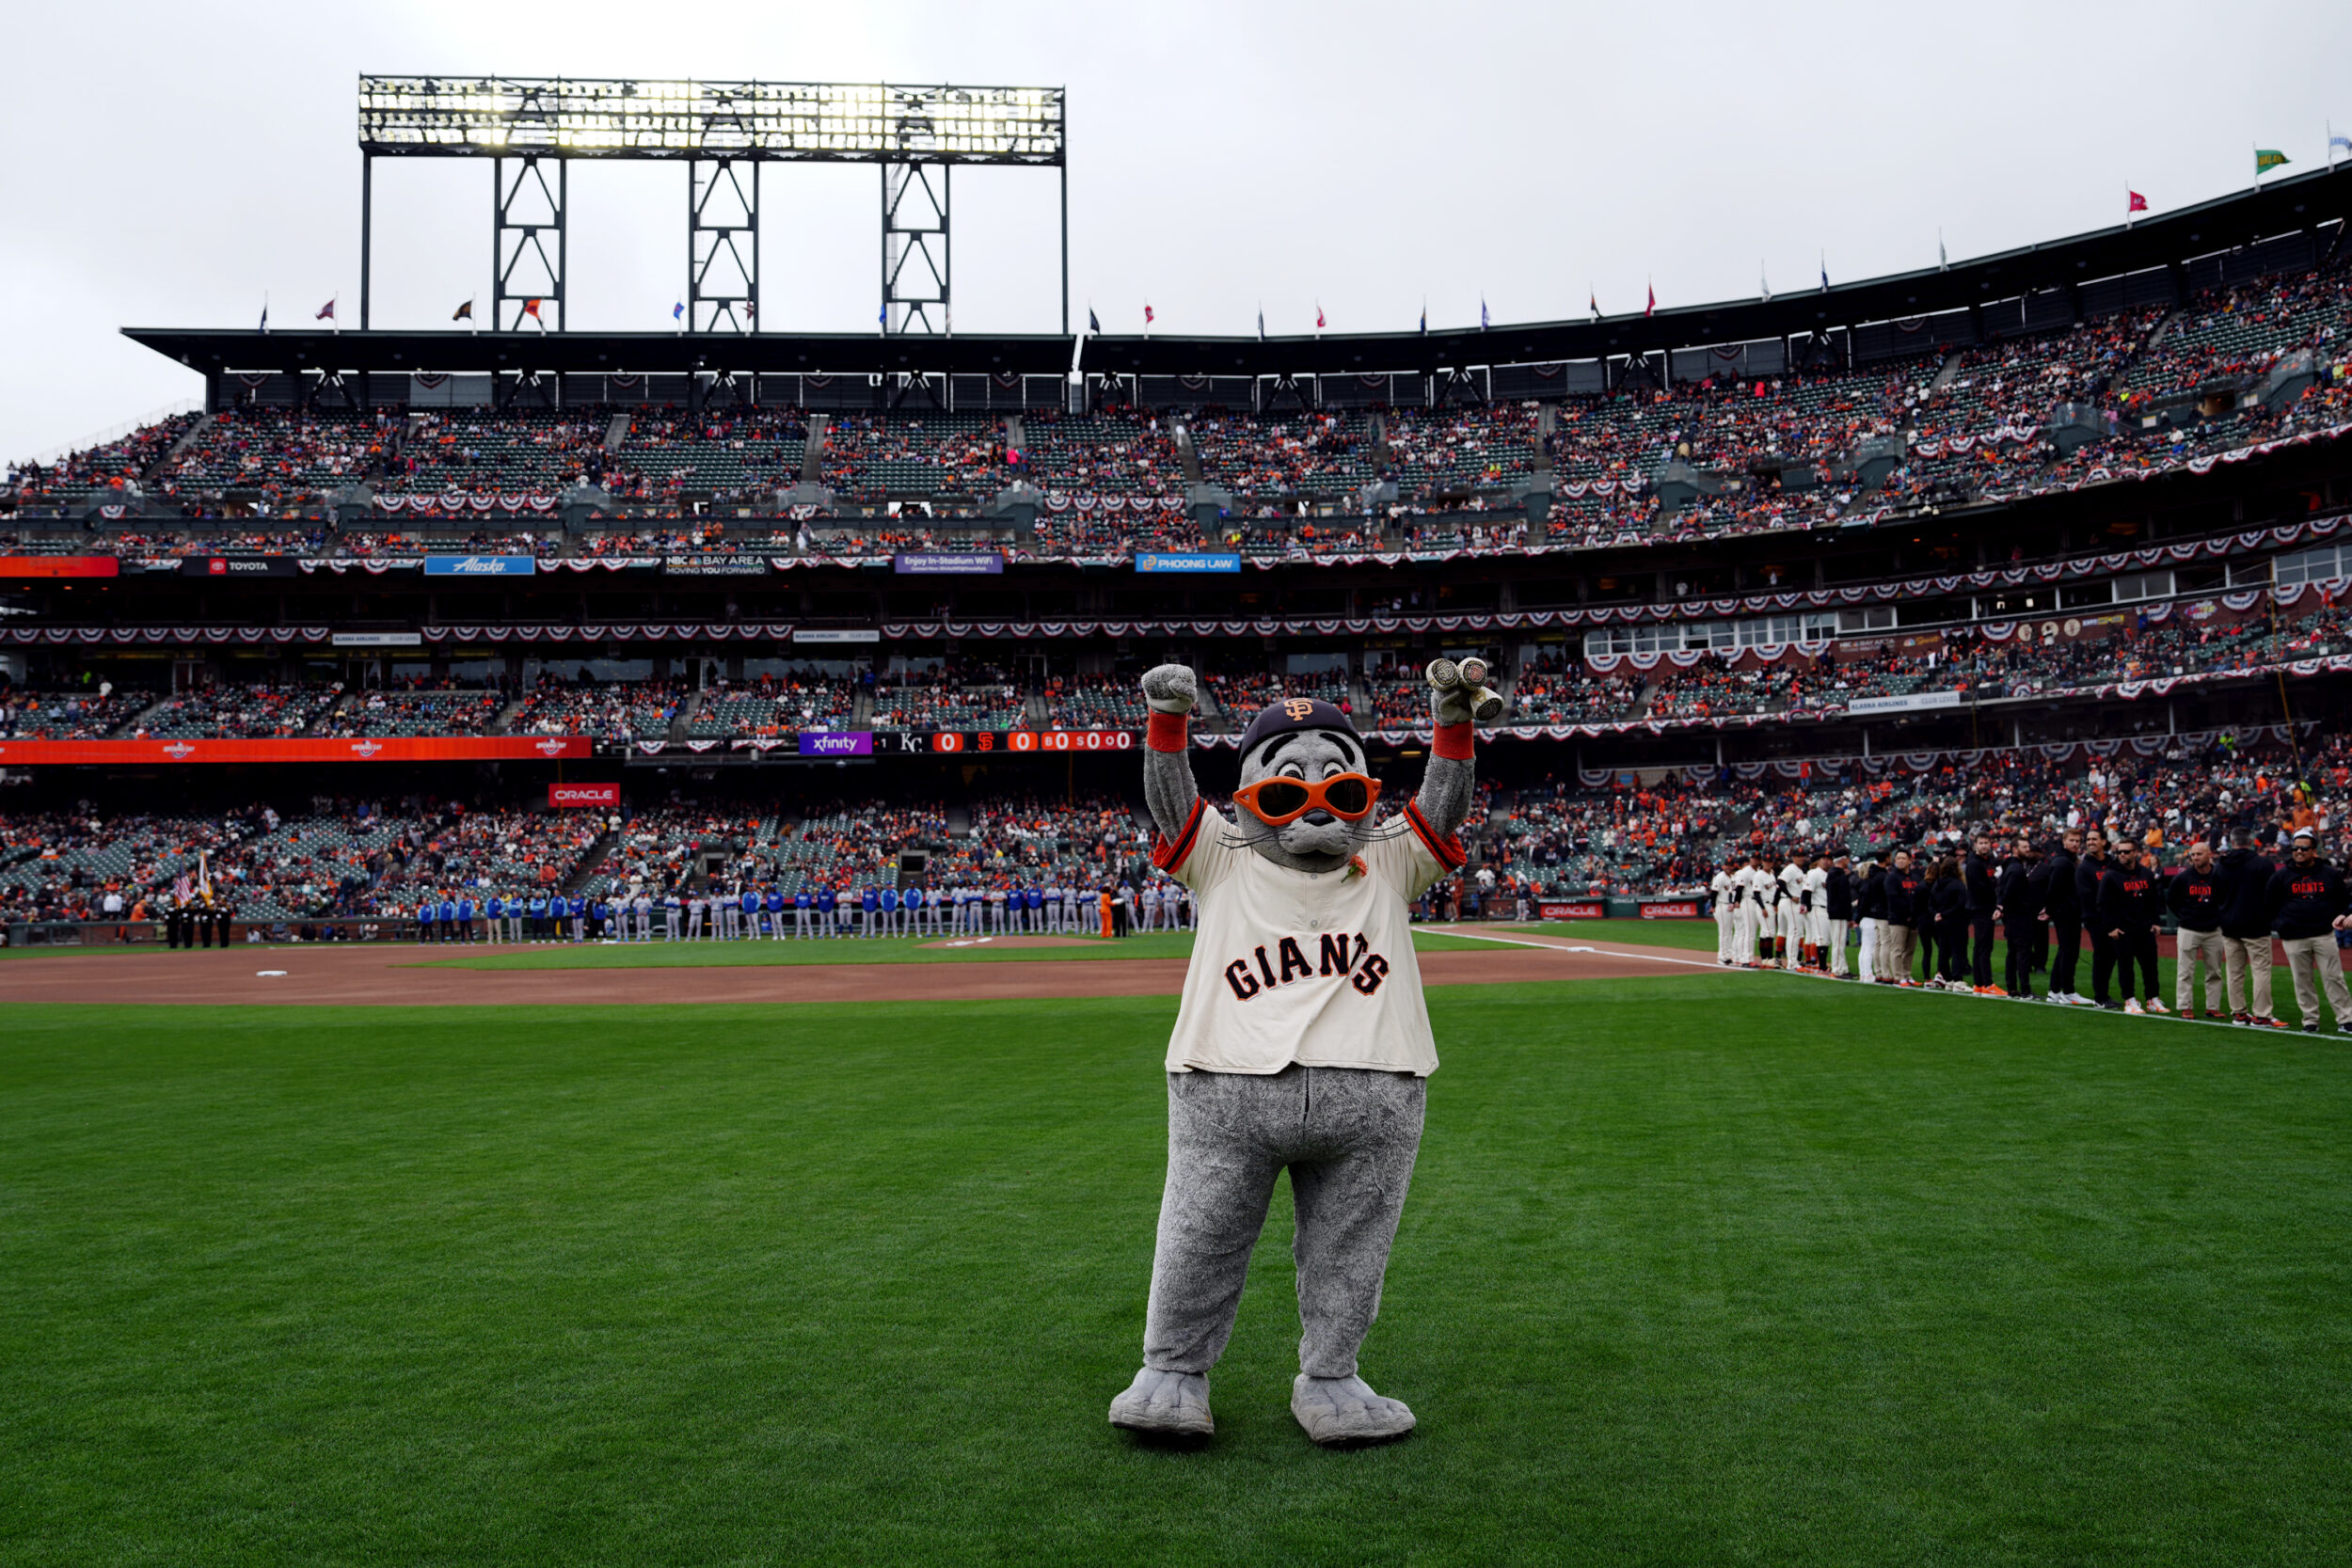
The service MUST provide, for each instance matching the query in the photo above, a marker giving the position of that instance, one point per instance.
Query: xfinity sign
(480, 565)
(836, 743)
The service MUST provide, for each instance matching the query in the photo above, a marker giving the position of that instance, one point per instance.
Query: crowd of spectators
(238, 711)
(953, 694)
(1281, 456)
(85, 714)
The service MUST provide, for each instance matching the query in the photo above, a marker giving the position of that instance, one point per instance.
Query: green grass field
(1706, 1269)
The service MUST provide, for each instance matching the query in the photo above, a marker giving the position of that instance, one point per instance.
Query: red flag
(1148, 317)
(2139, 202)
(1651, 309)
(1318, 318)
(531, 308)
(327, 312)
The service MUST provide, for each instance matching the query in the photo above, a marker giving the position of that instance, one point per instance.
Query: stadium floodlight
(916, 133)
(766, 121)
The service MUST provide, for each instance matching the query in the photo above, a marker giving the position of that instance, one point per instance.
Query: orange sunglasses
(1278, 802)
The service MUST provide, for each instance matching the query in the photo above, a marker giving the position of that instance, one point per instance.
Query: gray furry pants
(1347, 1136)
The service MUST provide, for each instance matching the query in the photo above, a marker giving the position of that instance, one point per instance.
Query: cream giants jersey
(1315, 968)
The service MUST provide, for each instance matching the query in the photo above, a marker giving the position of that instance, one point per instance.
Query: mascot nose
(1318, 817)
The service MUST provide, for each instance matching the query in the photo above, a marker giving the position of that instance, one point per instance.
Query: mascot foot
(1167, 1404)
(1336, 1410)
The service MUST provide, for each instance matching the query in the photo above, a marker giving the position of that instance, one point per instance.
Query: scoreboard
(988, 742)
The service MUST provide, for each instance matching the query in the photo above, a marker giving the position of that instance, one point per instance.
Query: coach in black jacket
(1976, 873)
(2091, 872)
(2130, 897)
(2194, 896)
(2064, 906)
(2308, 903)
(2246, 930)
(1871, 905)
(1838, 891)
(2019, 893)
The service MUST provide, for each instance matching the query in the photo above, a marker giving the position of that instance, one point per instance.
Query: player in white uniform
(1842, 876)
(1725, 887)
(1791, 914)
(1817, 913)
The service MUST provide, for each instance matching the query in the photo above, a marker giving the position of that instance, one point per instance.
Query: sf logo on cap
(1300, 708)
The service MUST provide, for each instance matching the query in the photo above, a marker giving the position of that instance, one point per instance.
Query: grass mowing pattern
(1696, 1269)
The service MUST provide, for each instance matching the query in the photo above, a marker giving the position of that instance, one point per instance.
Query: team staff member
(2061, 896)
(1983, 905)
(1841, 903)
(1871, 905)
(1903, 888)
(1948, 896)
(2308, 903)
(2091, 872)
(2131, 894)
(2018, 893)
(2245, 931)
(2194, 896)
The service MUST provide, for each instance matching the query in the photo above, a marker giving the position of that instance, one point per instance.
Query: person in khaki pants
(1904, 888)
(2245, 931)
(2308, 904)
(2193, 894)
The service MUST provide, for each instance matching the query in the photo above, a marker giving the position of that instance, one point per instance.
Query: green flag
(2268, 158)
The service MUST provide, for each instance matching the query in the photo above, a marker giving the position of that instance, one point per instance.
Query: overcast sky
(170, 164)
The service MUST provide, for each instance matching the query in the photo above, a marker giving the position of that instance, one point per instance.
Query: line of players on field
(1947, 908)
(809, 915)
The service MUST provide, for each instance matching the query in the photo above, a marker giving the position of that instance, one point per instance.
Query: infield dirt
(407, 974)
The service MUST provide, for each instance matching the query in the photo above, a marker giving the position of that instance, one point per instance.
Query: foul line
(1602, 952)
(2209, 1021)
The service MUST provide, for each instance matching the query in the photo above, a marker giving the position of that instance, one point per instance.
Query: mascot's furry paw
(1169, 1404)
(1345, 1410)
(1171, 688)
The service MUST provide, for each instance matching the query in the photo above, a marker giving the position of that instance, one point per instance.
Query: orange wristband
(1167, 732)
(1453, 743)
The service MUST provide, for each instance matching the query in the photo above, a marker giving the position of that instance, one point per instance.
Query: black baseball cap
(1294, 712)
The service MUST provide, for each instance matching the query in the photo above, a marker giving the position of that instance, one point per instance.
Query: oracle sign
(1591, 909)
(1670, 909)
(562, 795)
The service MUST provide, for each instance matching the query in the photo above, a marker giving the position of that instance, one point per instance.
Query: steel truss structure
(723, 132)
(524, 275)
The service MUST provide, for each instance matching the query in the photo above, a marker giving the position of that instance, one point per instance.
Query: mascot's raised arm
(1302, 1042)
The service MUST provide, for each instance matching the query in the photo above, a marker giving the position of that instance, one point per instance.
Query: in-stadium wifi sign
(947, 563)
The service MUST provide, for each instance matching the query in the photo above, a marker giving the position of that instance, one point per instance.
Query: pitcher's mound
(1023, 941)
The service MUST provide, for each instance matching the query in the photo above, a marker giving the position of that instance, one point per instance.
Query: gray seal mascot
(1302, 1042)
